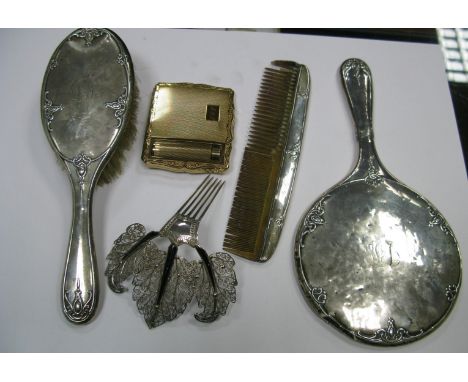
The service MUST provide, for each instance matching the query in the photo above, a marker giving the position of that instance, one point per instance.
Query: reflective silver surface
(289, 164)
(86, 94)
(374, 258)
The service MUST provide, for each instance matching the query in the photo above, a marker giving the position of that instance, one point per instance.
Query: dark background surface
(459, 91)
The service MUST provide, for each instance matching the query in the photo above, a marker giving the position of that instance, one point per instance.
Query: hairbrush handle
(80, 290)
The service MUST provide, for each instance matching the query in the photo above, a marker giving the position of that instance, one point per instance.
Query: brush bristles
(114, 166)
(258, 178)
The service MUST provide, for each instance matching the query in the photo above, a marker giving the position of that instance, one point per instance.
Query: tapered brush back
(269, 163)
(86, 97)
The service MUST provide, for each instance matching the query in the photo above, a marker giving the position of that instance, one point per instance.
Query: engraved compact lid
(190, 128)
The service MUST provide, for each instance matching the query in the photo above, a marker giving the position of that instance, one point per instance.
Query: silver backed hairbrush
(87, 96)
(270, 161)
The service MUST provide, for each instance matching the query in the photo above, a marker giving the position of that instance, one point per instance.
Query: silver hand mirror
(373, 257)
(86, 94)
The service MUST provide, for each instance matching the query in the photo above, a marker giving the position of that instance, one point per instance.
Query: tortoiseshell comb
(269, 163)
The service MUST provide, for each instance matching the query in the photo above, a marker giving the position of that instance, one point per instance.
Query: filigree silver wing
(165, 284)
(119, 266)
(178, 292)
(215, 299)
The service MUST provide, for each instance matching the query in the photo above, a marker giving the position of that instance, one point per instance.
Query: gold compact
(190, 128)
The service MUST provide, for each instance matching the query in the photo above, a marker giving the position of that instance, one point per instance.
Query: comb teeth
(261, 164)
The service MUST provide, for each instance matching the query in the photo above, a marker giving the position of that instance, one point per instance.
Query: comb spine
(288, 166)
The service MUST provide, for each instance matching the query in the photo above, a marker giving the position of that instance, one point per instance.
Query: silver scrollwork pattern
(391, 335)
(119, 106)
(451, 292)
(122, 59)
(319, 295)
(373, 178)
(78, 308)
(88, 34)
(313, 219)
(438, 220)
(304, 93)
(294, 151)
(53, 64)
(188, 236)
(279, 221)
(81, 163)
(50, 109)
